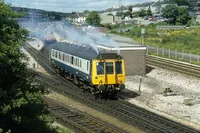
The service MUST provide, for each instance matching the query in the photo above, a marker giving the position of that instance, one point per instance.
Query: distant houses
(156, 7)
(76, 18)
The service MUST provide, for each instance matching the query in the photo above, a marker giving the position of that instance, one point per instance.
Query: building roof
(76, 15)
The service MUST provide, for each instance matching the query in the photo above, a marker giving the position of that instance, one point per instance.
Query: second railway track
(177, 66)
(81, 121)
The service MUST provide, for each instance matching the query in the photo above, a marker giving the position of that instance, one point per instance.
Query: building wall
(107, 19)
(135, 62)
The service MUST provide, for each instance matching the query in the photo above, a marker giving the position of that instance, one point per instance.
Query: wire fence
(174, 54)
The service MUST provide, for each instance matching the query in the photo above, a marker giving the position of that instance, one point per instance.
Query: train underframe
(101, 90)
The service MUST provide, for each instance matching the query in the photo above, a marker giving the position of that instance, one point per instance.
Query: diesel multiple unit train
(98, 71)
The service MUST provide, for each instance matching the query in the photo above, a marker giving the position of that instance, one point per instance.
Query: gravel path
(182, 104)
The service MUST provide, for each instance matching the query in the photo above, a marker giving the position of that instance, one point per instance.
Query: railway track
(177, 66)
(123, 110)
(79, 120)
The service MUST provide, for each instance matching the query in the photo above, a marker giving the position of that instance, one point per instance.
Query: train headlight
(100, 82)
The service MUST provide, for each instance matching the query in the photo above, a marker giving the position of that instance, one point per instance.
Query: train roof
(84, 51)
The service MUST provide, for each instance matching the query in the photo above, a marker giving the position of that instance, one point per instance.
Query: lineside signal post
(143, 31)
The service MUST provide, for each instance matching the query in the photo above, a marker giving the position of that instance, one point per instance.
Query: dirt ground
(180, 103)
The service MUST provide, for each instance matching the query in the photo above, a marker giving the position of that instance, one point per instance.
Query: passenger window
(72, 60)
(59, 55)
(52, 52)
(87, 65)
(118, 66)
(100, 68)
(109, 68)
(56, 54)
(63, 56)
(80, 63)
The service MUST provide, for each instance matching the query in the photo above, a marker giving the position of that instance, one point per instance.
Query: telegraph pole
(119, 6)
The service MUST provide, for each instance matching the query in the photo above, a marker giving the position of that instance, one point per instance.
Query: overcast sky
(70, 5)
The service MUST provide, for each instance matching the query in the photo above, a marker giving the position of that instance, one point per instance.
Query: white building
(155, 7)
(77, 18)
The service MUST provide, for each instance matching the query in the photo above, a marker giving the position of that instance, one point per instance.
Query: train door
(110, 75)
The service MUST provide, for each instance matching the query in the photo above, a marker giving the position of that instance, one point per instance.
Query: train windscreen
(100, 68)
(118, 66)
(109, 68)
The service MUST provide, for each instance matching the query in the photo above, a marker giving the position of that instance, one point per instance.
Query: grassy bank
(183, 39)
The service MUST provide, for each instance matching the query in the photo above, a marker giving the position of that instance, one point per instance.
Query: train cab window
(100, 68)
(118, 66)
(109, 68)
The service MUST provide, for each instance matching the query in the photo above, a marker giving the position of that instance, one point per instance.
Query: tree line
(22, 109)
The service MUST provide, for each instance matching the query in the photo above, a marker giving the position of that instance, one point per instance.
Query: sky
(70, 5)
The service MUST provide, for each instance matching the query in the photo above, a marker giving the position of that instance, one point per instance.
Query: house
(110, 19)
(76, 18)
(156, 7)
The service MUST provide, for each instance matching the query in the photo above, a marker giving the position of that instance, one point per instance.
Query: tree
(21, 105)
(183, 15)
(130, 8)
(86, 12)
(120, 14)
(180, 2)
(128, 13)
(149, 12)
(142, 13)
(171, 13)
(93, 18)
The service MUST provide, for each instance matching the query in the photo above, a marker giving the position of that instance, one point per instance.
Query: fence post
(169, 52)
(190, 57)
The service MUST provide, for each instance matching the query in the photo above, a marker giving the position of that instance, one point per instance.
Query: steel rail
(177, 66)
(80, 120)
